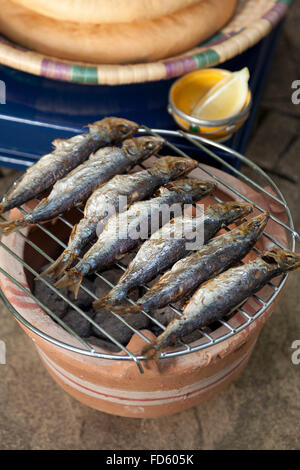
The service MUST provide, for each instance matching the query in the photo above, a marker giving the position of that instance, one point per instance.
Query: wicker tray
(253, 20)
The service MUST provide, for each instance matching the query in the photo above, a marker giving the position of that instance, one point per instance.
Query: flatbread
(144, 41)
(105, 11)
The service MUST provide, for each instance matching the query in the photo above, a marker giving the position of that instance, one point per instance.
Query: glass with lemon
(213, 103)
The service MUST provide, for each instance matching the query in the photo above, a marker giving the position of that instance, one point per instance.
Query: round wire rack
(180, 143)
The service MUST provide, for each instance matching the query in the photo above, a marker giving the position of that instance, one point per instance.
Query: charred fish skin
(106, 199)
(223, 294)
(77, 186)
(170, 243)
(215, 257)
(66, 155)
(122, 232)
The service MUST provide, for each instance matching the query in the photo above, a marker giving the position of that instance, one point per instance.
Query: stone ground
(260, 410)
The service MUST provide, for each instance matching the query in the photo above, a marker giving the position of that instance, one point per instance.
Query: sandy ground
(260, 410)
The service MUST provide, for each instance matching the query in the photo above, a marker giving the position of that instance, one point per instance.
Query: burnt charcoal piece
(49, 298)
(164, 316)
(54, 302)
(155, 329)
(78, 323)
(117, 328)
(100, 286)
(94, 341)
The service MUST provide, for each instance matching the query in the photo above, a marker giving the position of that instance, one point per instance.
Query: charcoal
(54, 302)
(105, 319)
(101, 287)
(84, 300)
(164, 316)
(78, 323)
(194, 336)
(155, 329)
(49, 298)
(117, 328)
(94, 341)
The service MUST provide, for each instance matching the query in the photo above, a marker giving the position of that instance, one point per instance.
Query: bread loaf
(116, 43)
(105, 11)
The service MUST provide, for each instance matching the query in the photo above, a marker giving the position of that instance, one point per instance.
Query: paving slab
(271, 138)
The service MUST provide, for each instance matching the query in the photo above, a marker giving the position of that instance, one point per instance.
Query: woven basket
(253, 20)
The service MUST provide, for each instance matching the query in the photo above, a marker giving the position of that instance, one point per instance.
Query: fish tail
(71, 280)
(10, 226)
(60, 265)
(118, 307)
(151, 351)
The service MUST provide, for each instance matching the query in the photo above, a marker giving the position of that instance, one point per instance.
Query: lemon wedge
(225, 99)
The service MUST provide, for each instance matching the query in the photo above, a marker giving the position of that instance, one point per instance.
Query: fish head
(285, 259)
(140, 148)
(257, 224)
(115, 129)
(192, 188)
(231, 211)
(175, 166)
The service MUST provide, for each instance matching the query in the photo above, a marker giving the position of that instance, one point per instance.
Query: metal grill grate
(209, 337)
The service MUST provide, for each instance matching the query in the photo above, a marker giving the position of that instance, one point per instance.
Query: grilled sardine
(212, 259)
(78, 185)
(170, 243)
(68, 154)
(116, 196)
(124, 231)
(223, 294)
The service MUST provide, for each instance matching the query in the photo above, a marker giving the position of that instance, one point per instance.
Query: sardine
(200, 266)
(171, 243)
(124, 231)
(106, 200)
(78, 185)
(66, 156)
(223, 294)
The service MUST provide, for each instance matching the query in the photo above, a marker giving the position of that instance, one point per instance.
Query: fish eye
(122, 128)
(180, 165)
(150, 145)
(255, 223)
